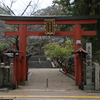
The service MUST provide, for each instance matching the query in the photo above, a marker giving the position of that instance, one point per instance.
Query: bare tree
(28, 8)
(8, 9)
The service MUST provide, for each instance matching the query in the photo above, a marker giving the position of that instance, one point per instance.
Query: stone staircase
(39, 62)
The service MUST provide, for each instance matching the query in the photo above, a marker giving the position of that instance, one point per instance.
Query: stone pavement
(52, 99)
(45, 99)
(59, 87)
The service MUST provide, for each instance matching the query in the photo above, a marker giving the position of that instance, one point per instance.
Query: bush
(3, 46)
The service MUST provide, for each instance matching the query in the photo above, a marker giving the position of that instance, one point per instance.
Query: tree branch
(26, 8)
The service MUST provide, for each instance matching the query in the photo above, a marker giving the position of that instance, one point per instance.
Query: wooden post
(22, 47)
(80, 66)
(14, 71)
(77, 37)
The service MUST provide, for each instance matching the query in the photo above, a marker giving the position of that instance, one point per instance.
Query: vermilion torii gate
(21, 74)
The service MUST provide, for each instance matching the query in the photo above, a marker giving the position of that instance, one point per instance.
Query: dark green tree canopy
(79, 7)
(84, 7)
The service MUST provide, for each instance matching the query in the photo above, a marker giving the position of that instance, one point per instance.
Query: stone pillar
(1, 75)
(88, 85)
(97, 68)
(11, 74)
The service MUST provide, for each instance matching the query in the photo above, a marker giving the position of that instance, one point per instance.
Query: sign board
(49, 26)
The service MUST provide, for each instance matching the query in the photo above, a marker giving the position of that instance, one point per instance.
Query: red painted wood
(77, 36)
(76, 21)
(56, 22)
(24, 22)
(64, 33)
(80, 70)
(14, 71)
(57, 33)
(42, 33)
(22, 47)
(35, 33)
(12, 33)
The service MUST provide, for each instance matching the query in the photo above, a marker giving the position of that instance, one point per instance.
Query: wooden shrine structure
(23, 21)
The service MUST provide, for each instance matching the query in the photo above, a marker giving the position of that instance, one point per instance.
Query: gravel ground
(58, 85)
(49, 79)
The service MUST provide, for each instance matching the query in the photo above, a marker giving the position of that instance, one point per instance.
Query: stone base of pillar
(88, 87)
(81, 87)
(76, 83)
(22, 83)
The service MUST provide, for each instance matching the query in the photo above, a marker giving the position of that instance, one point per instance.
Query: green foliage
(3, 46)
(69, 45)
(58, 52)
(84, 7)
(79, 7)
(65, 6)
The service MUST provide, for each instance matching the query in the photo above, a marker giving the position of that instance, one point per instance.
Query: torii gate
(39, 20)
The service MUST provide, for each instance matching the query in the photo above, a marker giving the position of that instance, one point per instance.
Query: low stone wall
(97, 76)
(6, 75)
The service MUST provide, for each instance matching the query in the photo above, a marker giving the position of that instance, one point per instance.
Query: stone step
(37, 58)
(42, 64)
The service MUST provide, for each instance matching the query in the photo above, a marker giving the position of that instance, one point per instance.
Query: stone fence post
(97, 76)
(1, 74)
(11, 74)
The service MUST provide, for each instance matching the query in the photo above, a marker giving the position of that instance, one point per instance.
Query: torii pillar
(77, 68)
(22, 47)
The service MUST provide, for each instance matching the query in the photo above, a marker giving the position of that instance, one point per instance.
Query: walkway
(56, 80)
(60, 87)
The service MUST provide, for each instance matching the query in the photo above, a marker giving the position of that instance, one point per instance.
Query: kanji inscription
(49, 26)
(89, 64)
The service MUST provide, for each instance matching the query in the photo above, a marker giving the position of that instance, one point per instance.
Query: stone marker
(97, 68)
(88, 77)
